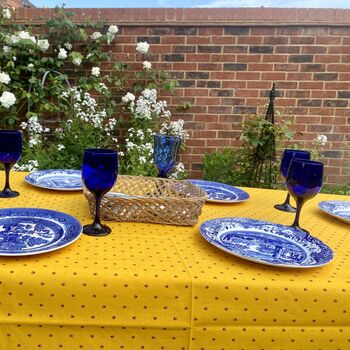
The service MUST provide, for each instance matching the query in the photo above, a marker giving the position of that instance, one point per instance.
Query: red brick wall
(226, 60)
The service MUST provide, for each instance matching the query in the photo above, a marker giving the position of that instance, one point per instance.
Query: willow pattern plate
(221, 193)
(58, 179)
(28, 231)
(266, 243)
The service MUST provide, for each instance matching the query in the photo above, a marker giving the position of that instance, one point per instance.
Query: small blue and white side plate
(221, 193)
(338, 209)
(29, 231)
(266, 243)
(57, 179)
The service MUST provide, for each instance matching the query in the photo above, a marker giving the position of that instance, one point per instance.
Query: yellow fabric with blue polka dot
(148, 286)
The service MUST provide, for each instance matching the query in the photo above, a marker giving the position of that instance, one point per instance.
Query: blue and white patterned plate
(266, 243)
(221, 193)
(338, 209)
(58, 179)
(28, 231)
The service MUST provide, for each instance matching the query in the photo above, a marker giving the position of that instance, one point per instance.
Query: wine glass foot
(8, 193)
(307, 233)
(96, 230)
(285, 207)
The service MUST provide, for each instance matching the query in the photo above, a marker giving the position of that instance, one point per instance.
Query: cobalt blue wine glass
(304, 181)
(10, 153)
(99, 173)
(165, 152)
(288, 155)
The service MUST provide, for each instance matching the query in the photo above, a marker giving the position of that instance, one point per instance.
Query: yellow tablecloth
(148, 286)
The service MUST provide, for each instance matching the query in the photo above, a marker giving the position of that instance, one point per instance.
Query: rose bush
(53, 87)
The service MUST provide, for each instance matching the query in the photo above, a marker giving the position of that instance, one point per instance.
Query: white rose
(128, 97)
(26, 36)
(6, 48)
(95, 71)
(113, 29)
(7, 99)
(142, 47)
(62, 54)
(96, 35)
(60, 147)
(14, 39)
(147, 65)
(4, 78)
(68, 46)
(43, 44)
(6, 13)
(77, 61)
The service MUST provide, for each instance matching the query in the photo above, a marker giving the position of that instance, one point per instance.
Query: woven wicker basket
(148, 199)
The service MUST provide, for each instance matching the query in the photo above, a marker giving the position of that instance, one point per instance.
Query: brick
(160, 31)
(326, 76)
(343, 94)
(301, 58)
(236, 30)
(235, 49)
(275, 40)
(220, 109)
(209, 84)
(302, 40)
(260, 67)
(288, 49)
(221, 93)
(313, 50)
(244, 110)
(312, 67)
(211, 49)
(174, 57)
(198, 40)
(332, 154)
(250, 40)
(187, 83)
(249, 58)
(209, 66)
(235, 66)
(149, 39)
(260, 49)
(309, 103)
(185, 31)
(323, 94)
(183, 49)
(286, 67)
(335, 103)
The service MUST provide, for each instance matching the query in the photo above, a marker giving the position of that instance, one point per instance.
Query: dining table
(156, 286)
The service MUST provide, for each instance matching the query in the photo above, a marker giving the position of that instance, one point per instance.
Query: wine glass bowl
(304, 181)
(10, 153)
(165, 153)
(99, 174)
(288, 155)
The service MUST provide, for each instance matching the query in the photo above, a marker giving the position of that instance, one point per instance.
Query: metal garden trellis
(264, 156)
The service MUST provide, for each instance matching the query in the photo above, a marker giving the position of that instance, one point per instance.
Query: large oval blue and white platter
(56, 179)
(221, 193)
(336, 208)
(266, 243)
(29, 231)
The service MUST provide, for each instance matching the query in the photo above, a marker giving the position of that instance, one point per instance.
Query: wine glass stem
(287, 201)
(7, 177)
(300, 203)
(97, 223)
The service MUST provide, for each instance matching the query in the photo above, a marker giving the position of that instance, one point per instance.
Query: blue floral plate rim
(214, 189)
(41, 178)
(30, 231)
(280, 245)
(336, 208)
